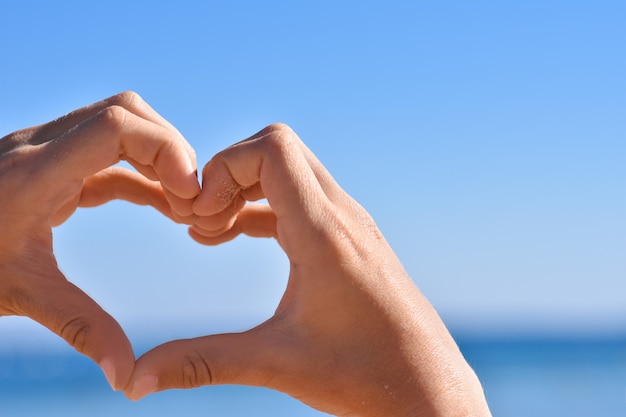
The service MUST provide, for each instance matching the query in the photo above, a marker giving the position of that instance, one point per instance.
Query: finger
(253, 193)
(272, 160)
(276, 161)
(182, 208)
(115, 183)
(213, 224)
(122, 184)
(243, 358)
(81, 322)
(129, 100)
(115, 134)
(145, 170)
(255, 220)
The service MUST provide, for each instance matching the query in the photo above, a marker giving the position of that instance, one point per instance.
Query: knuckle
(14, 152)
(127, 99)
(278, 136)
(77, 333)
(16, 138)
(279, 127)
(114, 117)
(279, 130)
(10, 166)
(196, 371)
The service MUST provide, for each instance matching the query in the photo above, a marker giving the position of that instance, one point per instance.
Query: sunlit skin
(46, 172)
(352, 335)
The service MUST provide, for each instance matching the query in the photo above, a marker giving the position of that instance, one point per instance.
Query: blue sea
(522, 376)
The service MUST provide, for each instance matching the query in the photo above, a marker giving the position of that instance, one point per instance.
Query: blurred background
(487, 139)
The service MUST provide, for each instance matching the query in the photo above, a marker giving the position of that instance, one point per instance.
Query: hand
(46, 172)
(352, 335)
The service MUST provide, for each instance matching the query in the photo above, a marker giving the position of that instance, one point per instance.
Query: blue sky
(487, 138)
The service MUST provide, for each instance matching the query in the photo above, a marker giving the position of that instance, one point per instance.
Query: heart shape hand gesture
(352, 334)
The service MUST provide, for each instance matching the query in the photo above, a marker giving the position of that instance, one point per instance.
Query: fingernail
(109, 371)
(145, 385)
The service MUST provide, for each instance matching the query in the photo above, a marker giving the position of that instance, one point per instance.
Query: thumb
(235, 358)
(81, 322)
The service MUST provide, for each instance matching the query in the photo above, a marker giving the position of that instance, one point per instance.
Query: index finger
(274, 164)
(114, 134)
(130, 100)
(272, 159)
